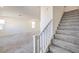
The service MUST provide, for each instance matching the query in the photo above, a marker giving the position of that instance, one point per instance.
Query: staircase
(66, 39)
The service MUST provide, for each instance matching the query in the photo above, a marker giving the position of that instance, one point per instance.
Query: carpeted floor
(16, 43)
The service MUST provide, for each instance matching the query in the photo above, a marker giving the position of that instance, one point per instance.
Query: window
(33, 24)
(2, 23)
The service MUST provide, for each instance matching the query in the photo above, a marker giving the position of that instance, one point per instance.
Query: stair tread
(68, 38)
(66, 45)
(72, 18)
(64, 20)
(69, 27)
(69, 32)
(71, 15)
(55, 49)
(76, 16)
(69, 24)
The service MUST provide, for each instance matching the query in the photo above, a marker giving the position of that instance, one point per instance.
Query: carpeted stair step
(69, 24)
(69, 27)
(68, 32)
(66, 45)
(68, 38)
(55, 49)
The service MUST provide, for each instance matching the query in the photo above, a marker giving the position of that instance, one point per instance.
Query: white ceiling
(23, 11)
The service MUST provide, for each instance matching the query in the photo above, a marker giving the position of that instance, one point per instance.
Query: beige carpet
(16, 43)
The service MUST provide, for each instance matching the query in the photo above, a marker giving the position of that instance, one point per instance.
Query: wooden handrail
(45, 27)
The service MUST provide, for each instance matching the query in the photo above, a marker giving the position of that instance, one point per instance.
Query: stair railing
(36, 43)
(42, 41)
(46, 36)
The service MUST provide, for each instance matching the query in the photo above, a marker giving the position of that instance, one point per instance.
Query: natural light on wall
(2, 22)
(33, 24)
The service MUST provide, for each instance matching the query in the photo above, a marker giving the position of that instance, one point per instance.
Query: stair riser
(73, 15)
(69, 28)
(76, 34)
(70, 18)
(69, 24)
(69, 33)
(66, 21)
(74, 29)
(72, 22)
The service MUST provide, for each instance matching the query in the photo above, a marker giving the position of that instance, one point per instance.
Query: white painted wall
(69, 8)
(22, 23)
(45, 16)
(57, 14)
(15, 25)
